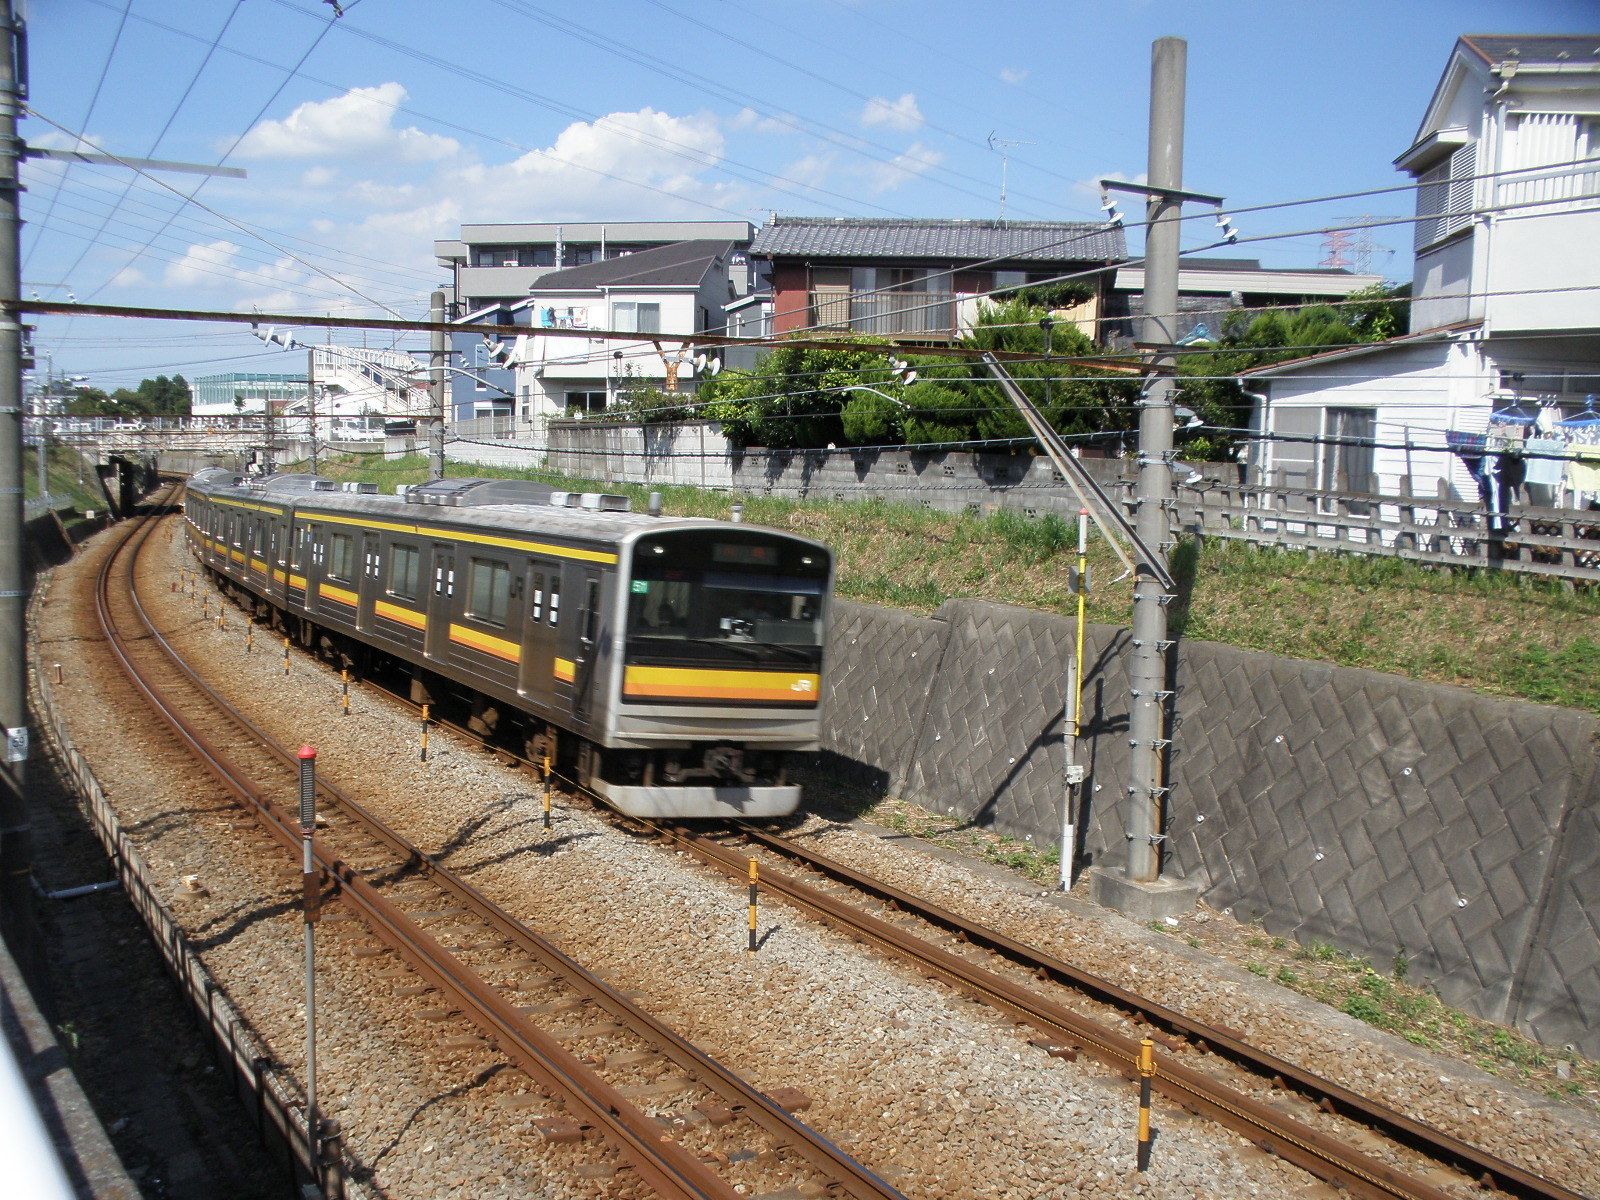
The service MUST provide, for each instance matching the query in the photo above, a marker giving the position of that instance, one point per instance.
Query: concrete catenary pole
(438, 359)
(16, 855)
(1148, 670)
(311, 404)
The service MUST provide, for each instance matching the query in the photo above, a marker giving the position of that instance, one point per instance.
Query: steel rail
(660, 1160)
(843, 1175)
(1288, 1138)
(1312, 1150)
(1317, 1152)
(1487, 1168)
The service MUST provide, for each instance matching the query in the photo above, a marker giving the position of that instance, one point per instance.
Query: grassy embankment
(1500, 634)
(1503, 635)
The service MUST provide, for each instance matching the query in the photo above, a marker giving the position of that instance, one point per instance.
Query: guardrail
(1553, 542)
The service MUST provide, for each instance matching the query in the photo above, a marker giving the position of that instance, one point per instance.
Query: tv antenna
(1002, 147)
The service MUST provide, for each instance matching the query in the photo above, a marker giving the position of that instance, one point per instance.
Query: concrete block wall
(1388, 817)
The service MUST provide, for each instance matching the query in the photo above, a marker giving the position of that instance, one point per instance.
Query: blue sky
(368, 136)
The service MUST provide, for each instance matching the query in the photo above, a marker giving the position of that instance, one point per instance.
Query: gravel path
(940, 1095)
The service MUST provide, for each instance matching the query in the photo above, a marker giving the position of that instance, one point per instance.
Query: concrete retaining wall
(1388, 817)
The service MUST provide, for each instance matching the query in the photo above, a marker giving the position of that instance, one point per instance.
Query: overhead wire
(88, 117)
(155, 145)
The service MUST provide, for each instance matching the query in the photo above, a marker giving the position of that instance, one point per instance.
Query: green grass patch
(1494, 632)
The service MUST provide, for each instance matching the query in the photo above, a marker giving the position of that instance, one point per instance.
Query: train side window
(488, 591)
(341, 557)
(555, 599)
(405, 566)
(591, 611)
(536, 611)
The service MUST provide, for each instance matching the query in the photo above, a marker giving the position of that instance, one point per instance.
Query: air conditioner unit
(360, 489)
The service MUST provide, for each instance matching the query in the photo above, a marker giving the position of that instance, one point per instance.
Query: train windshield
(725, 597)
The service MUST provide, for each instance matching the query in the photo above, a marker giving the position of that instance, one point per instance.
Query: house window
(1444, 196)
(405, 571)
(488, 591)
(1347, 464)
(586, 402)
(630, 317)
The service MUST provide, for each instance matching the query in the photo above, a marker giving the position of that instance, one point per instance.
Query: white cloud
(901, 115)
(358, 124)
(1013, 74)
(915, 160)
(1091, 188)
(749, 118)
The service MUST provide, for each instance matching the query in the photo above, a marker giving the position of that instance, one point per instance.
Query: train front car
(719, 679)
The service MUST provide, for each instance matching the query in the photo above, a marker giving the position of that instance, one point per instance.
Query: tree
(1257, 339)
(795, 397)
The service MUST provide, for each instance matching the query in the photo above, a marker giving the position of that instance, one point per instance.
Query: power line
(88, 116)
(190, 198)
(127, 186)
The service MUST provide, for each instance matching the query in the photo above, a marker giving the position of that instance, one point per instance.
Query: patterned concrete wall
(1384, 816)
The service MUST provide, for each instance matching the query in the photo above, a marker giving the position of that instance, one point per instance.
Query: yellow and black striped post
(344, 688)
(249, 637)
(1147, 1072)
(285, 656)
(755, 880)
(423, 754)
(545, 767)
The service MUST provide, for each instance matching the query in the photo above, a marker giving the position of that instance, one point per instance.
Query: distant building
(499, 264)
(921, 278)
(237, 393)
(510, 368)
(1211, 289)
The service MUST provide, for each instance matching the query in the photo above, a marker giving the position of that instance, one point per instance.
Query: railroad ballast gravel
(941, 1095)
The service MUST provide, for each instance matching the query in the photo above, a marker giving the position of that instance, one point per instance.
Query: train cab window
(489, 591)
(738, 597)
(555, 599)
(341, 557)
(405, 571)
(536, 607)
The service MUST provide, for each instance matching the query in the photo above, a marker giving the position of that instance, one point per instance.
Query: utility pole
(1141, 892)
(311, 402)
(438, 358)
(16, 850)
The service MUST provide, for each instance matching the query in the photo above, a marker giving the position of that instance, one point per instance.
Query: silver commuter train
(669, 664)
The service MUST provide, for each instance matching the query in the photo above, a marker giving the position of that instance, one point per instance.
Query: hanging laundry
(1546, 466)
(1583, 472)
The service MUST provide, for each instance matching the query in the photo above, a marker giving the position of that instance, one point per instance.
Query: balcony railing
(930, 313)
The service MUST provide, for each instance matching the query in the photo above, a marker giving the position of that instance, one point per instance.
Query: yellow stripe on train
(565, 670)
(404, 616)
(684, 683)
(498, 647)
(339, 594)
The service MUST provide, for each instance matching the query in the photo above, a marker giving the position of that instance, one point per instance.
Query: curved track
(1064, 1031)
(255, 769)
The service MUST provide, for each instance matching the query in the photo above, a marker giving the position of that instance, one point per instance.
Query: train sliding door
(587, 630)
(441, 602)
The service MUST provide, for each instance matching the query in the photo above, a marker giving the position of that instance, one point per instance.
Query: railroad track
(378, 874)
(1063, 1031)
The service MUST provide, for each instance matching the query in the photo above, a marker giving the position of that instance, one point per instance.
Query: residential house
(1210, 289)
(498, 264)
(517, 367)
(921, 279)
(1506, 284)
